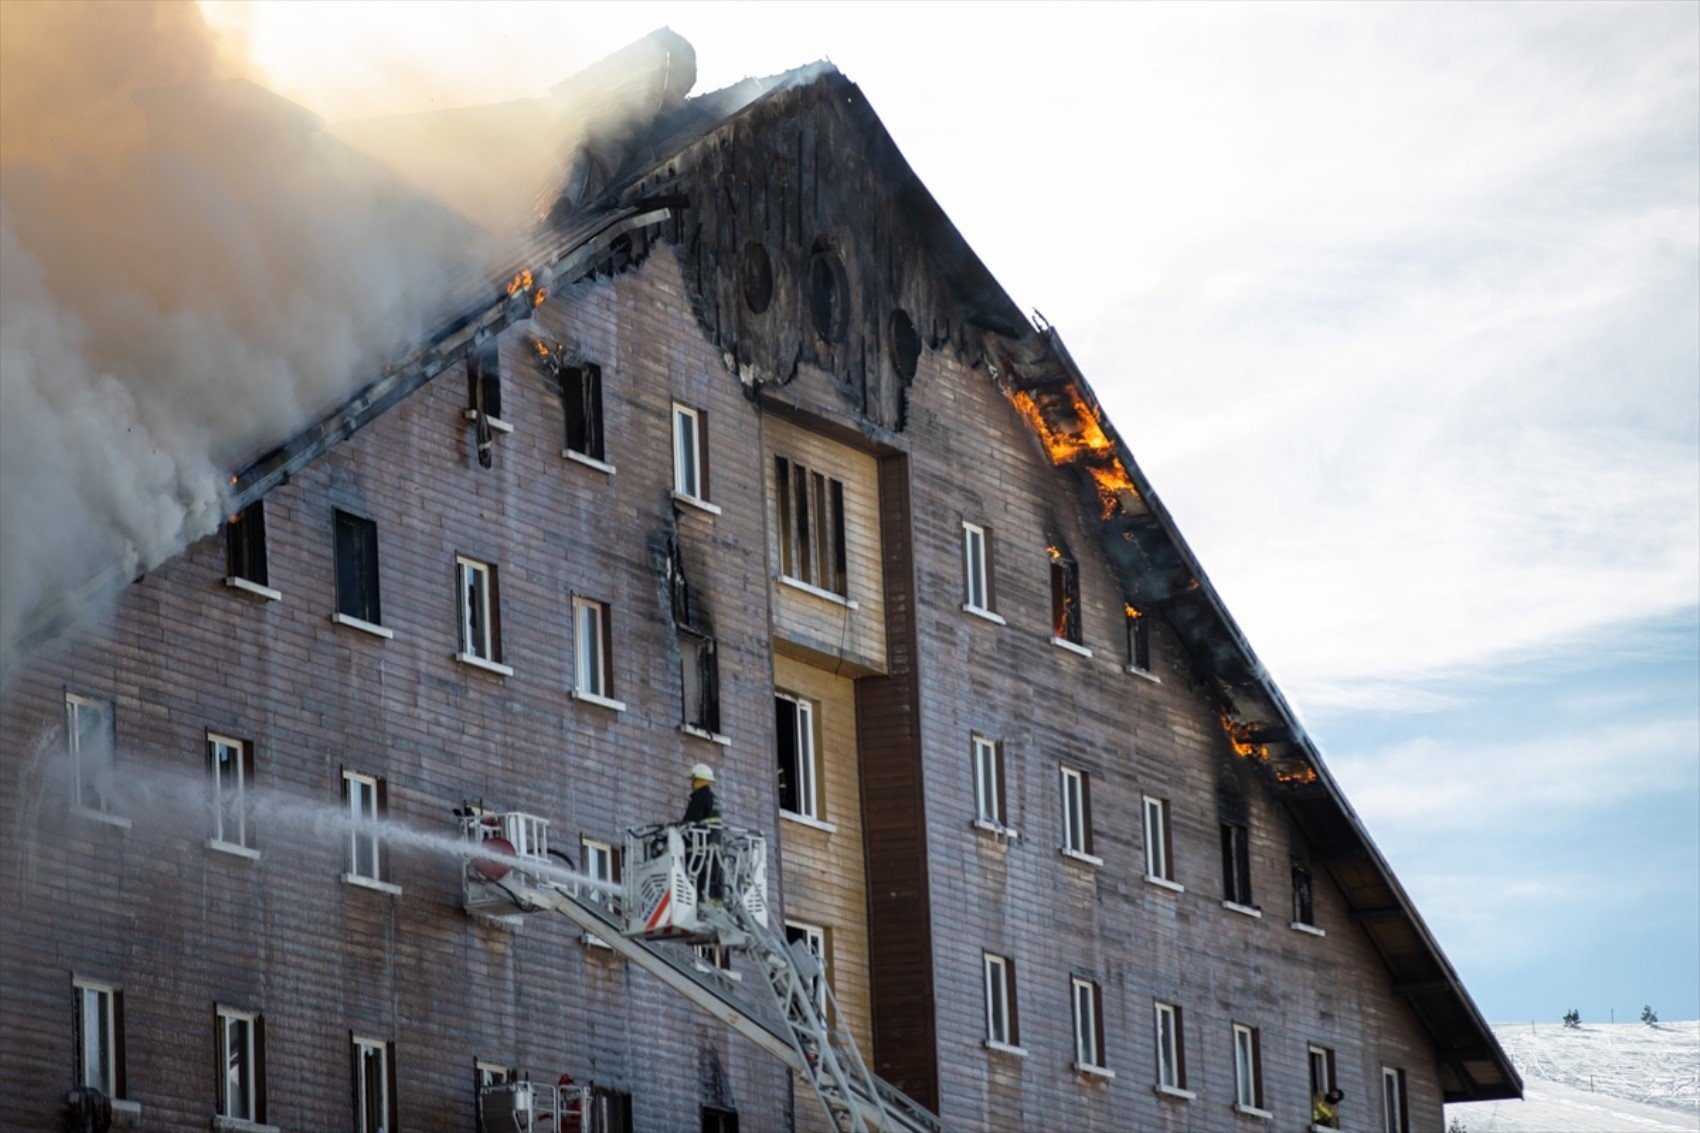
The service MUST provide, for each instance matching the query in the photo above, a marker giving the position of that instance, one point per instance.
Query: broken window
(690, 456)
(1158, 864)
(374, 1085)
(1304, 911)
(89, 746)
(593, 648)
(1065, 599)
(231, 765)
(794, 729)
(581, 394)
(484, 379)
(717, 1120)
(1171, 1048)
(1001, 1020)
(1138, 640)
(1076, 813)
(367, 800)
(1088, 1024)
(813, 940)
(479, 635)
(1236, 864)
(700, 680)
(100, 1038)
(977, 567)
(245, 545)
(610, 1111)
(811, 526)
(988, 781)
(357, 569)
(1248, 1068)
(241, 1047)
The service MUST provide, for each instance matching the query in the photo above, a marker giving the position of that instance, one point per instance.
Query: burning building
(748, 461)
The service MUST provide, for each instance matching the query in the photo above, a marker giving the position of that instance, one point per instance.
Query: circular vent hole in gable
(829, 292)
(756, 275)
(903, 343)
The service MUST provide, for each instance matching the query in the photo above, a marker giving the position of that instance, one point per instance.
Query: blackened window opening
(1236, 864)
(357, 568)
(1138, 640)
(1303, 910)
(1065, 600)
(700, 676)
(811, 526)
(581, 393)
(245, 544)
(610, 1110)
(484, 379)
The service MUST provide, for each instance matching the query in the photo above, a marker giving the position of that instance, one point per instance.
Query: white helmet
(703, 772)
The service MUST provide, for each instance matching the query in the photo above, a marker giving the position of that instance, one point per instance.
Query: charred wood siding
(894, 807)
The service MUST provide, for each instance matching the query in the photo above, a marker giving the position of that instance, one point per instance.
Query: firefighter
(704, 810)
(1325, 1108)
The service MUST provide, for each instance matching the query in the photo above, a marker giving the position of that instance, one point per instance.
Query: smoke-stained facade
(1071, 861)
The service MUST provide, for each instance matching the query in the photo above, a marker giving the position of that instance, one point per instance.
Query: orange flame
(1112, 479)
(520, 282)
(542, 350)
(1239, 738)
(1056, 554)
(541, 294)
(1112, 482)
(1305, 774)
(1132, 611)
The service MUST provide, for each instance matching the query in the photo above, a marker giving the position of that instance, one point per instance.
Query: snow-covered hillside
(1596, 1078)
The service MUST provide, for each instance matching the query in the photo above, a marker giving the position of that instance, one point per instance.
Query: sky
(1398, 307)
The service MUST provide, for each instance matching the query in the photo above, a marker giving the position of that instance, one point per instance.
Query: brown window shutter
(384, 843)
(1098, 1022)
(260, 1069)
(354, 1076)
(120, 1087)
(1180, 1047)
(495, 614)
(986, 564)
(608, 650)
(1059, 603)
(1168, 844)
(1003, 795)
(1086, 810)
(248, 780)
(702, 454)
(220, 1055)
(1257, 1066)
(1014, 1015)
(394, 1123)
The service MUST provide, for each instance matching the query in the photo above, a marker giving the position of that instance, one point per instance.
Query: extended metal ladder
(794, 1023)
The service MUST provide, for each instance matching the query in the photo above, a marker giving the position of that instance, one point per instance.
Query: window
(811, 526)
(813, 939)
(89, 743)
(1001, 1019)
(367, 801)
(593, 647)
(484, 379)
(977, 567)
(480, 635)
(1394, 1118)
(690, 463)
(1321, 1069)
(231, 764)
(1065, 599)
(799, 780)
(357, 569)
(1159, 865)
(245, 545)
(988, 782)
(1088, 1024)
(1304, 910)
(716, 1120)
(1076, 813)
(581, 395)
(374, 1085)
(1171, 1048)
(1236, 865)
(601, 864)
(241, 1054)
(1138, 641)
(610, 1111)
(100, 1038)
(1248, 1068)
(485, 1074)
(699, 676)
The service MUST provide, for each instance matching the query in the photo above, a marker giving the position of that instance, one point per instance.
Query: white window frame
(988, 784)
(1159, 859)
(597, 858)
(238, 1094)
(1076, 819)
(488, 1072)
(1248, 1090)
(365, 1048)
(807, 765)
(103, 998)
(474, 592)
(687, 466)
(1088, 1005)
(998, 988)
(1393, 1100)
(814, 938)
(358, 786)
(87, 794)
(1324, 1057)
(241, 837)
(593, 663)
(1170, 1041)
(977, 597)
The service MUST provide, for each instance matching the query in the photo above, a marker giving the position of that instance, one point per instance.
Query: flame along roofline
(1048, 360)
